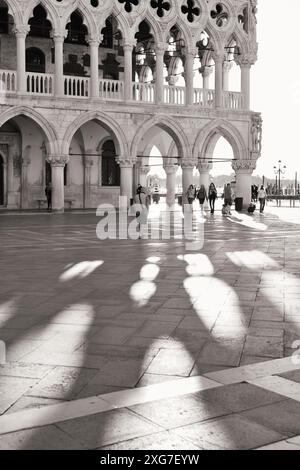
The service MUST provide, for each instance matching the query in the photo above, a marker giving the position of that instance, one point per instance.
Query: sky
(275, 89)
(275, 82)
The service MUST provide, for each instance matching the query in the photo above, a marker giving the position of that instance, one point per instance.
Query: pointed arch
(52, 15)
(206, 138)
(13, 10)
(108, 123)
(39, 119)
(171, 127)
(154, 27)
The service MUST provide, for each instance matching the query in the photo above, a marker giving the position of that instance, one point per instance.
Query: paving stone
(229, 433)
(63, 383)
(108, 428)
(282, 417)
(30, 371)
(177, 412)
(172, 363)
(264, 346)
(227, 353)
(11, 389)
(240, 397)
(113, 335)
(46, 438)
(28, 402)
(156, 329)
(160, 441)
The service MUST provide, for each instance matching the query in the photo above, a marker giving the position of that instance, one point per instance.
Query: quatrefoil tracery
(220, 15)
(128, 4)
(190, 10)
(162, 6)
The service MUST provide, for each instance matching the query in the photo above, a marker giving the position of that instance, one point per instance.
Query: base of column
(58, 211)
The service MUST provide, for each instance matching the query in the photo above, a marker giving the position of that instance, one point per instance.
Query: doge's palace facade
(88, 87)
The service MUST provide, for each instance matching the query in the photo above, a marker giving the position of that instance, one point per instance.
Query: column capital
(126, 162)
(171, 169)
(59, 35)
(57, 160)
(21, 30)
(160, 48)
(188, 164)
(246, 61)
(244, 166)
(94, 40)
(206, 70)
(204, 167)
(88, 162)
(218, 56)
(129, 45)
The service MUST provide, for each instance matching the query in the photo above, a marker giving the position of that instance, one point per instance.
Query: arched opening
(158, 164)
(35, 60)
(110, 170)
(25, 146)
(1, 181)
(174, 60)
(231, 70)
(40, 26)
(76, 55)
(8, 61)
(204, 64)
(111, 57)
(144, 62)
(93, 172)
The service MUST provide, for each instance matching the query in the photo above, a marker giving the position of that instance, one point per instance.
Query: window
(110, 168)
(35, 60)
(3, 20)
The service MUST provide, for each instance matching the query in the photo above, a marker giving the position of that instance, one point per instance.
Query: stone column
(11, 200)
(189, 78)
(159, 74)
(204, 169)
(227, 66)
(171, 171)
(206, 72)
(218, 58)
(94, 66)
(142, 174)
(244, 170)
(245, 82)
(187, 178)
(24, 182)
(88, 163)
(58, 38)
(21, 32)
(126, 166)
(57, 180)
(128, 71)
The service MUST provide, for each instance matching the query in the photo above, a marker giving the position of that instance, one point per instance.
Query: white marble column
(244, 170)
(88, 164)
(159, 74)
(204, 177)
(218, 58)
(58, 38)
(206, 73)
(21, 32)
(189, 78)
(128, 71)
(245, 82)
(57, 181)
(171, 171)
(142, 174)
(227, 66)
(24, 182)
(94, 66)
(187, 178)
(126, 167)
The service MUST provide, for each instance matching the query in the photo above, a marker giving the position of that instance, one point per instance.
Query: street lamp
(279, 171)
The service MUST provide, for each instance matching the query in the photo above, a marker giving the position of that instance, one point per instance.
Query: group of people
(202, 195)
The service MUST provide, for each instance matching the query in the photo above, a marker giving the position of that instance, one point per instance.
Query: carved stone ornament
(58, 160)
(244, 166)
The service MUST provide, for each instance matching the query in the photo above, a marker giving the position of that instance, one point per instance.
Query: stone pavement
(141, 344)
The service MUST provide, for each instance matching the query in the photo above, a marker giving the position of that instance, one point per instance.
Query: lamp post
(279, 171)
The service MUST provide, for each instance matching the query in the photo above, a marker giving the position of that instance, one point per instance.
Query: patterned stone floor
(87, 322)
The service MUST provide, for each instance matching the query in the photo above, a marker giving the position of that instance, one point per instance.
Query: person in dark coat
(48, 193)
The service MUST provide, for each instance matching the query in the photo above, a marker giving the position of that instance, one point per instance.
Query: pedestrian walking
(202, 195)
(262, 198)
(212, 196)
(190, 194)
(228, 195)
(48, 193)
(142, 201)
